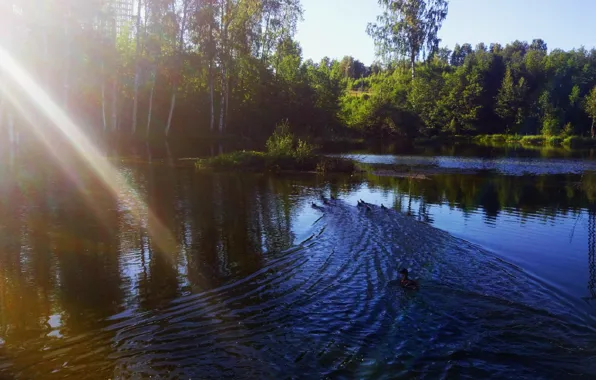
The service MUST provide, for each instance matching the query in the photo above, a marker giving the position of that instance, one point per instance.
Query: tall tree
(137, 67)
(408, 28)
(178, 57)
(590, 107)
(510, 100)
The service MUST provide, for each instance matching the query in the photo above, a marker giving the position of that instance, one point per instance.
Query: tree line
(192, 68)
(519, 88)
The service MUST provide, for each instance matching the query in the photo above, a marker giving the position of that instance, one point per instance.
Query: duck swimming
(405, 282)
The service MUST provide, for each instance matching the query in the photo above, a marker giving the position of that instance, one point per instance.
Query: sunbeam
(83, 146)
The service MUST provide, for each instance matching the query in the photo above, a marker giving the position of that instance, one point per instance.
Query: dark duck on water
(405, 282)
(362, 203)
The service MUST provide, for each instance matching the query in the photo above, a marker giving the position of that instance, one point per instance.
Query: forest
(233, 68)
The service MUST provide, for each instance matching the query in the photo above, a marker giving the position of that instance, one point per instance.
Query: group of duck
(367, 207)
(361, 203)
(404, 281)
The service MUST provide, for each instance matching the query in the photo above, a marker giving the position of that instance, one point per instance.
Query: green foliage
(284, 152)
(335, 165)
(517, 89)
(266, 162)
(551, 125)
(281, 142)
(533, 140)
(590, 103)
(303, 150)
(235, 160)
(567, 130)
(408, 28)
(236, 70)
(510, 100)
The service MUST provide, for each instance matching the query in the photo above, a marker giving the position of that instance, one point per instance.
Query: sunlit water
(502, 165)
(263, 285)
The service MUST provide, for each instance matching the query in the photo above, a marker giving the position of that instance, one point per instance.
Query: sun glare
(82, 145)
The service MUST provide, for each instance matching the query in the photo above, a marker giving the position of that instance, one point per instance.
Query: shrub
(247, 160)
(335, 165)
(532, 140)
(303, 150)
(567, 130)
(550, 126)
(284, 152)
(554, 140)
(281, 142)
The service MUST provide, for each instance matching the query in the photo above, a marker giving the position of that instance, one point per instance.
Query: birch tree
(178, 57)
(137, 68)
(408, 28)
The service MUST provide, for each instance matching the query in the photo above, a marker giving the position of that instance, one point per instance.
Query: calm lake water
(182, 274)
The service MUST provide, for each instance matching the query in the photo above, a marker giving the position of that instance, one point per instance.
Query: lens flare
(89, 153)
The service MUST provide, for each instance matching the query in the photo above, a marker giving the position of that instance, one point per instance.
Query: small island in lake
(284, 153)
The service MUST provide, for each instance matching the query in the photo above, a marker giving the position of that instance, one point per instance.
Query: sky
(336, 28)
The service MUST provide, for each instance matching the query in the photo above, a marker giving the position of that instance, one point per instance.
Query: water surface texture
(259, 284)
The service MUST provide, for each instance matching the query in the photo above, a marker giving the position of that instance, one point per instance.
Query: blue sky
(336, 28)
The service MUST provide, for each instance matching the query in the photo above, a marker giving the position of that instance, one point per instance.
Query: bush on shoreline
(536, 140)
(284, 153)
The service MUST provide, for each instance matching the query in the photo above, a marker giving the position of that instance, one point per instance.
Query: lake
(174, 273)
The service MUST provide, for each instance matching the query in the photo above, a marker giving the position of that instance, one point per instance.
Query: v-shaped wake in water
(327, 307)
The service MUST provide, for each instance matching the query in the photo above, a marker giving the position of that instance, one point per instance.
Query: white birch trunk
(179, 51)
(137, 78)
(149, 112)
(227, 101)
(172, 105)
(115, 105)
(66, 66)
(212, 96)
(223, 99)
(103, 97)
(169, 153)
(135, 102)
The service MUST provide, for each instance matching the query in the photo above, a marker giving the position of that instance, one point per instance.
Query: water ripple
(327, 307)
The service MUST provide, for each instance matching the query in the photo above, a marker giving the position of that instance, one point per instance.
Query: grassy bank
(266, 162)
(284, 153)
(536, 140)
(442, 140)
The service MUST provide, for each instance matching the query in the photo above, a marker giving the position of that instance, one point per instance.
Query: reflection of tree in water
(591, 249)
(275, 210)
(59, 273)
(158, 281)
(528, 195)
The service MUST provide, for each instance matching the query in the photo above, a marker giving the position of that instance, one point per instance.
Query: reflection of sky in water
(55, 322)
(509, 166)
(553, 249)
